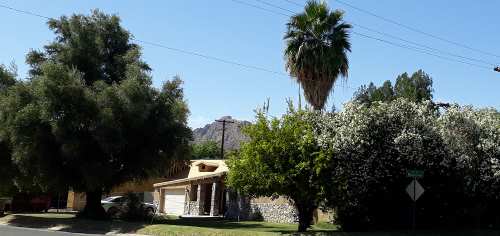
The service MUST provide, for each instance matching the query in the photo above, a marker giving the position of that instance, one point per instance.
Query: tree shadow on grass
(407, 233)
(272, 228)
(244, 225)
(72, 224)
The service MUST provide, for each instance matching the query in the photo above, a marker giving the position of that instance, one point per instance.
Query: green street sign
(415, 173)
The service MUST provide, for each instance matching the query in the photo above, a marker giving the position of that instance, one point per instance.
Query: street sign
(415, 190)
(415, 173)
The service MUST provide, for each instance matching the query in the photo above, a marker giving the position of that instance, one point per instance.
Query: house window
(193, 194)
(205, 168)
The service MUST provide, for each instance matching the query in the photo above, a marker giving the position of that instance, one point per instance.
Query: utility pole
(223, 131)
(497, 69)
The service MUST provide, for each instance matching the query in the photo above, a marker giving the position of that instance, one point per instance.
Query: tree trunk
(93, 208)
(305, 211)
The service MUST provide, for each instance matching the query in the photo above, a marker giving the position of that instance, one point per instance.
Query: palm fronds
(317, 42)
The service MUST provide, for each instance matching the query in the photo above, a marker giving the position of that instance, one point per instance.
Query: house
(200, 193)
(204, 193)
(144, 188)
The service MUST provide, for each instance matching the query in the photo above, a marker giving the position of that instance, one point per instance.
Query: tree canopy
(279, 160)
(317, 43)
(7, 169)
(356, 161)
(205, 150)
(416, 88)
(89, 118)
(367, 150)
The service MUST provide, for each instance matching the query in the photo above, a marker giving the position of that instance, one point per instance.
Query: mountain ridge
(213, 132)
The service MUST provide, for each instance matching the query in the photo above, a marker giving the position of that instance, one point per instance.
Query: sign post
(415, 190)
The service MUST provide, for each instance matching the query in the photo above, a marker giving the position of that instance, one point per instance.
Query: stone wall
(191, 208)
(249, 209)
(273, 212)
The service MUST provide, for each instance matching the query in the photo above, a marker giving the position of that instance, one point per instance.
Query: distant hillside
(213, 132)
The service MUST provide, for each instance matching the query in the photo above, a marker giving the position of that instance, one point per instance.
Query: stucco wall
(76, 201)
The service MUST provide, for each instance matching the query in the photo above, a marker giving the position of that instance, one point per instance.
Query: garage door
(174, 201)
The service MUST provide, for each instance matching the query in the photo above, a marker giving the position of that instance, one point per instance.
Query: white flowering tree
(366, 153)
(473, 139)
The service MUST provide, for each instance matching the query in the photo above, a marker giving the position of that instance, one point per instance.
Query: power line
(235, 63)
(420, 50)
(408, 41)
(423, 45)
(169, 48)
(258, 7)
(294, 3)
(183, 51)
(222, 60)
(255, 67)
(275, 6)
(25, 12)
(414, 29)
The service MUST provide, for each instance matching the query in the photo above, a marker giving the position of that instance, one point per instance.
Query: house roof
(196, 174)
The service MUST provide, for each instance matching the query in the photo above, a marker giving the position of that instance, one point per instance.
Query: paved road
(17, 231)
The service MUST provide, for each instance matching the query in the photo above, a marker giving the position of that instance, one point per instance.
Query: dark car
(31, 203)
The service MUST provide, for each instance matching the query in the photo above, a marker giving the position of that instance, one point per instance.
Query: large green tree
(7, 169)
(279, 160)
(205, 150)
(89, 118)
(317, 42)
(415, 88)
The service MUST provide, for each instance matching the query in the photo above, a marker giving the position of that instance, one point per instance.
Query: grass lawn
(203, 227)
(224, 227)
(166, 226)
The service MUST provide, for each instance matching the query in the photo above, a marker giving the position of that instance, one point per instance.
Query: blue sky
(226, 29)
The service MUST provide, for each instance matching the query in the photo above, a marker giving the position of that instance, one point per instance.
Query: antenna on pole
(223, 121)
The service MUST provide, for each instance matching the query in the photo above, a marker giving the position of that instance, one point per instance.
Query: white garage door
(174, 201)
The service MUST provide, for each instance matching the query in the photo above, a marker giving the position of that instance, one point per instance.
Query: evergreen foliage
(205, 150)
(416, 88)
(88, 118)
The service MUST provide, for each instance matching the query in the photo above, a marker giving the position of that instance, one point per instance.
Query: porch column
(199, 200)
(161, 205)
(214, 206)
(187, 208)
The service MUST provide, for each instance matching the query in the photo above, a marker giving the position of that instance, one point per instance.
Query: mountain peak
(226, 118)
(213, 132)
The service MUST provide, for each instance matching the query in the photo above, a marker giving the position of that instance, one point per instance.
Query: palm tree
(317, 42)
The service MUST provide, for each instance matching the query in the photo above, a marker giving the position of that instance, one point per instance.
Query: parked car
(116, 206)
(30, 202)
(5, 204)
